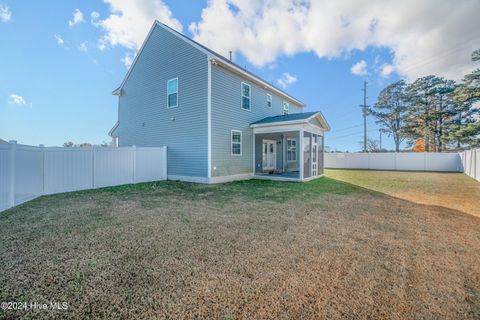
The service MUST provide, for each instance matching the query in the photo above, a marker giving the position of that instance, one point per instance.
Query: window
(172, 93)
(246, 96)
(291, 150)
(236, 138)
(286, 106)
(269, 100)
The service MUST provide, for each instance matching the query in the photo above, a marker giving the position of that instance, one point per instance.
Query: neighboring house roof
(3, 141)
(218, 58)
(292, 118)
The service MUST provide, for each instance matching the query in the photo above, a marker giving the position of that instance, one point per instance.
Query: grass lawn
(353, 245)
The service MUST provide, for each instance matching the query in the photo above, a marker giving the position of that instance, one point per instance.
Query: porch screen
(307, 152)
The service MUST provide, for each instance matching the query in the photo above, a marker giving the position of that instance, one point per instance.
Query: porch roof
(293, 118)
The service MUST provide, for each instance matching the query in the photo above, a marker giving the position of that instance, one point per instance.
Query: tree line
(432, 114)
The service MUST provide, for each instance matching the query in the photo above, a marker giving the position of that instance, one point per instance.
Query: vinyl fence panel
(68, 169)
(6, 175)
(404, 161)
(27, 172)
(471, 163)
(113, 166)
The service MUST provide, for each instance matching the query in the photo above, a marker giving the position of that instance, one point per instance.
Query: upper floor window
(172, 93)
(286, 106)
(246, 96)
(269, 100)
(236, 140)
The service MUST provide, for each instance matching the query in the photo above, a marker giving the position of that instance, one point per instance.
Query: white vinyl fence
(403, 161)
(471, 163)
(27, 172)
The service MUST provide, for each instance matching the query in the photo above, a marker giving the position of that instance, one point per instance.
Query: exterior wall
(145, 120)
(227, 114)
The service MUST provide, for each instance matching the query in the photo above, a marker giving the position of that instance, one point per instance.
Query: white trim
(119, 89)
(242, 96)
(187, 178)
(209, 119)
(300, 146)
(271, 100)
(275, 178)
(313, 178)
(300, 121)
(231, 143)
(253, 153)
(234, 177)
(274, 143)
(296, 149)
(168, 81)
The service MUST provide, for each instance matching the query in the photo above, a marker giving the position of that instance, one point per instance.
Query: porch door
(315, 156)
(269, 158)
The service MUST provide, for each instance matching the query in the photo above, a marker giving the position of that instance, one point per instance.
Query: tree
(432, 111)
(372, 145)
(68, 144)
(390, 111)
(419, 145)
(465, 130)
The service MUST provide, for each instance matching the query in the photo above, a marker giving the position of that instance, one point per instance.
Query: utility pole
(364, 111)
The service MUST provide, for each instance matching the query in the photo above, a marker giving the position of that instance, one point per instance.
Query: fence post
(93, 167)
(134, 149)
(13, 146)
(42, 148)
(165, 167)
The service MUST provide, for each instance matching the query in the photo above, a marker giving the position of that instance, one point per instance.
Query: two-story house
(219, 122)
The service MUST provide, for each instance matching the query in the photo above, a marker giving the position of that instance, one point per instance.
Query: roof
(3, 141)
(216, 55)
(111, 133)
(292, 118)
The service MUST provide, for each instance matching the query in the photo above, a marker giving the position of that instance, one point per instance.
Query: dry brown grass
(246, 250)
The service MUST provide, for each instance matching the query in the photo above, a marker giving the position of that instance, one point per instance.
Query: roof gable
(212, 55)
(315, 118)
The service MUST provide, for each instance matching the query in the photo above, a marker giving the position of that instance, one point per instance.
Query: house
(219, 121)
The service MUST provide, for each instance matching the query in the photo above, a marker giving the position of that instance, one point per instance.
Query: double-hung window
(291, 150)
(286, 106)
(172, 93)
(246, 96)
(236, 140)
(269, 100)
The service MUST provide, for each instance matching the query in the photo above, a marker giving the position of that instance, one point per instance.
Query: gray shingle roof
(286, 117)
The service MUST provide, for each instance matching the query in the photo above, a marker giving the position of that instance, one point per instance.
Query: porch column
(300, 147)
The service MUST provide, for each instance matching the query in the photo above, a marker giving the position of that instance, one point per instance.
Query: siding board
(145, 120)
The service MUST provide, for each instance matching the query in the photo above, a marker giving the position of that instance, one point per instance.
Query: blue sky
(57, 73)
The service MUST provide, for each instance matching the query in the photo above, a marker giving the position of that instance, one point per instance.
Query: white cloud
(129, 22)
(386, 70)
(127, 59)
(359, 68)
(77, 18)
(94, 16)
(83, 46)
(5, 13)
(16, 100)
(286, 80)
(422, 40)
(59, 39)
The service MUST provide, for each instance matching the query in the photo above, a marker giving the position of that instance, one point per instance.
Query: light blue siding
(227, 114)
(145, 120)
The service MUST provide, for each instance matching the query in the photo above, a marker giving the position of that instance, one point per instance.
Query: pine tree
(390, 111)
